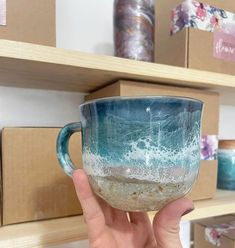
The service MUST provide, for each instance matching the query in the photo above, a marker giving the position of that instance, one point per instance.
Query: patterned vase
(134, 29)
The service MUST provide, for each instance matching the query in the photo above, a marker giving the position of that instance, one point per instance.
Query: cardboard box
(208, 170)
(190, 47)
(203, 230)
(30, 21)
(34, 185)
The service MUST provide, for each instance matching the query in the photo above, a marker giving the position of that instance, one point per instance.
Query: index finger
(92, 211)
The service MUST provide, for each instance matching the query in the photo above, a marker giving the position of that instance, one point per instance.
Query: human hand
(112, 228)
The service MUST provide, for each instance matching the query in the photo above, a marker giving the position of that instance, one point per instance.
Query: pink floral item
(209, 147)
(199, 15)
(213, 233)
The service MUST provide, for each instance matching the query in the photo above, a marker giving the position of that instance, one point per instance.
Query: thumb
(166, 223)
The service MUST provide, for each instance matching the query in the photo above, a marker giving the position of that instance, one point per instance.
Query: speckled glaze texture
(226, 171)
(140, 153)
(134, 29)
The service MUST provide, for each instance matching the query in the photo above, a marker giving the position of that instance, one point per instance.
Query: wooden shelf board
(223, 203)
(36, 66)
(66, 230)
(43, 233)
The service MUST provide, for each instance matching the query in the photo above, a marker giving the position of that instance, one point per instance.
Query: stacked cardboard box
(34, 186)
(30, 21)
(191, 47)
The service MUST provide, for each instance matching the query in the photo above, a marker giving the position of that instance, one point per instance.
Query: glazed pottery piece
(139, 152)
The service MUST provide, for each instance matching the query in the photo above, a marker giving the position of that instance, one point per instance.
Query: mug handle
(62, 146)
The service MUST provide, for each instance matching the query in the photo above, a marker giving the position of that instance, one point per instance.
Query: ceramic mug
(226, 165)
(139, 152)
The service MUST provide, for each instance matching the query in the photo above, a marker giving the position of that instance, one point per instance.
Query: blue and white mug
(139, 152)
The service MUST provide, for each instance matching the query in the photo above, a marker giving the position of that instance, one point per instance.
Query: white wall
(27, 107)
(85, 25)
(227, 122)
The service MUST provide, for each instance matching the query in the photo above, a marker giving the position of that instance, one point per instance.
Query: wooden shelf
(36, 66)
(43, 233)
(70, 229)
(223, 203)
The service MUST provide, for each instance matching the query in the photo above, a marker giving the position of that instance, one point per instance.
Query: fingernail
(187, 211)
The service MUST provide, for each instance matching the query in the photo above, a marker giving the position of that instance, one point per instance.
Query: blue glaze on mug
(226, 170)
(139, 152)
(145, 133)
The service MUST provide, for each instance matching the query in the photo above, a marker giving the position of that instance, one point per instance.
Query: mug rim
(103, 99)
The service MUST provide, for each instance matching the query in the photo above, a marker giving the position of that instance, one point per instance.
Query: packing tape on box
(2, 12)
(201, 16)
(209, 147)
(213, 234)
